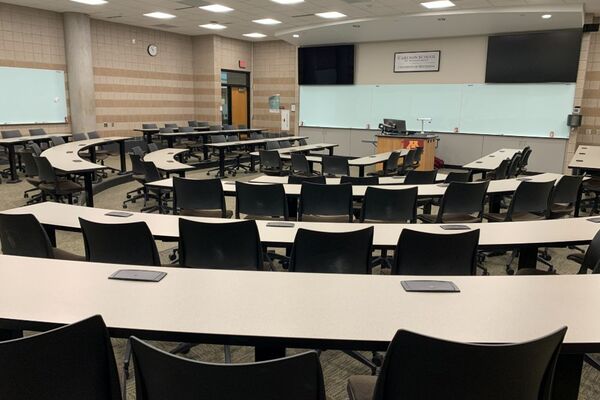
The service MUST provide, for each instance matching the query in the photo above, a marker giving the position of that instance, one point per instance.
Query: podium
(387, 143)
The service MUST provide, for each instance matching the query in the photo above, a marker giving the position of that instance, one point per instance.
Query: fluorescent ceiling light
(218, 8)
(91, 2)
(267, 21)
(438, 4)
(159, 15)
(296, 35)
(330, 15)
(547, 16)
(215, 27)
(255, 35)
(288, 1)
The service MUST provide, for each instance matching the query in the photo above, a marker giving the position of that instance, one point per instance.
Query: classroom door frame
(229, 87)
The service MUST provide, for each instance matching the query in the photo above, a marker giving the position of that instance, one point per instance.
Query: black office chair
(458, 176)
(138, 173)
(37, 132)
(260, 201)
(32, 177)
(422, 253)
(325, 203)
(526, 153)
(215, 128)
(420, 177)
(565, 195)
(389, 205)
(270, 163)
(590, 261)
(160, 375)
(335, 165)
(513, 167)
(531, 201)
(256, 135)
(193, 124)
(528, 366)
(57, 140)
(14, 133)
(390, 166)
(149, 126)
(79, 136)
(152, 174)
(360, 180)
(52, 184)
(300, 165)
(23, 235)
(200, 197)
(135, 244)
(417, 160)
(501, 172)
(273, 145)
(297, 180)
(407, 163)
(172, 126)
(461, 203)
(228, 127)
(72, 362)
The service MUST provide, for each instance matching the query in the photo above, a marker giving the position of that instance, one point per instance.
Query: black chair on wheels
(299, 179)
(23, 235)
(590, 260)
(390, 166)
(407, 163)
(360, 180)
(420, 177)
(526, 153)
(501, 172)
(53, 185)
(513, 167)
(160, 375)
(422, 253)
(565, 196)
(325, 203)
(101, 246)
(32, 176)
(528, 366)
(335, 166)
(200, 197)
(389, 205)
(458, 176)
(72, 362)
(461, 203)
(300, 165)
(259, 201)
(270, 163)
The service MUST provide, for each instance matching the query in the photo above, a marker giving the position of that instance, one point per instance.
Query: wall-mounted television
(548, 56)
(326, 65)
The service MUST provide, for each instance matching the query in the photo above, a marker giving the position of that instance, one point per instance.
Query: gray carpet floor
(337, 366)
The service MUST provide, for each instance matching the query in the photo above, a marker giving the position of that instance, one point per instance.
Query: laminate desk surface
(65, 157)
(559, 232)
(255, 141)
(586, 157)
(205, 133)
(306, 309)
(164, 159)
(287, 151)
(491, 161)
(36, 138)
(386, 180)
(375, 158)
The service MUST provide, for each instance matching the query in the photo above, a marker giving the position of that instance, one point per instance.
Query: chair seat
(577, 257)
(361, 387)
(206, 213)
(561, 210)
(533, 271)
(61, 187)
(325, 218)
(34, 180)
(65, 255)
(274, 172)
(500, 217)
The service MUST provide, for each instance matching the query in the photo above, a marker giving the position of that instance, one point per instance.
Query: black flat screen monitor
(326, 65)
(398, 124)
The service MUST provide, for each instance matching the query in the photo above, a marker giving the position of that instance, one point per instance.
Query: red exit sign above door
(243, 64)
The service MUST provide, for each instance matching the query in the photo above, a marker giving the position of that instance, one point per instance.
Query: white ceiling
(409, 19)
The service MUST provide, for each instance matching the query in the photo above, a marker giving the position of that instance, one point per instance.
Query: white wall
(462, 60)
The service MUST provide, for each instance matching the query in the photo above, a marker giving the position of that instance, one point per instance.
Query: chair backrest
(45, 170)
(325, 200)
(360, 180)
(161, 375)
(259, 200)
(174, 126)
(152, 147)
(272, 145)
(149, 126)
(68, 363)
(11, 134)
(409, 159)
(591, 259)
(30, 165)
(37, 132)
(418, 154)
(256, 135)
(79, 136)
(297, 180)
(242, 126)
(335, 165)
(422, 253)
(215, 127)
(203, 123)
(228, 127)
(137, 166)
(390, 166)
(525, 159)
(135, 244)
(300, 164)
(218, 138)
(187, 129)
(233, 138)
(501, 172)
(420, 177)
(23, 235)
(57, 140)
(332, 252)
(455, 176)
(463, 198)
(531, 197)
(137, 150)
(35, 148)
(528, 366)
(270, 160)
(285, 144)
(302, 142)
(199, 194)
(151, 172)
(567, 189)
(229, 245)
(166, 130)
(193, 124)
(514, 165)
(390, 205)
(93, 135)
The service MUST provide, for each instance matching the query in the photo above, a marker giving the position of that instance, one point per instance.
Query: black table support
(122, 157)
(12, 164)
(88, 176)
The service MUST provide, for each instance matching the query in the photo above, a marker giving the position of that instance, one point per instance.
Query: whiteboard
(32, 96)
(499, 109)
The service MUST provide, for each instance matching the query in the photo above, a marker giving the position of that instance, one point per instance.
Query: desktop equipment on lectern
(393, 126)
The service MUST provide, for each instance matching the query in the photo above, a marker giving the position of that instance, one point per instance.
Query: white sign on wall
(417, 61)
(285, 120)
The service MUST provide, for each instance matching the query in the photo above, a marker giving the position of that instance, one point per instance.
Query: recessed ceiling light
(330, 15)
(215, 27)
(255, 35)
(91, 2)
(288, 1)
(438, 4)
(159, 15)
(296, 35)
(218, 8)
(267, 21)
(547, 16)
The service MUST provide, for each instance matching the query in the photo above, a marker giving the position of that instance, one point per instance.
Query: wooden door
(239, 106)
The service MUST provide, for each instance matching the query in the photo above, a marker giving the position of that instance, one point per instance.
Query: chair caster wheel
(510, 271)
(128, 196)
(124, 206)
(546, 257)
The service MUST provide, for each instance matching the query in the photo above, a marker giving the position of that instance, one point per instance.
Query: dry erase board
(30, 96)
(496, 109)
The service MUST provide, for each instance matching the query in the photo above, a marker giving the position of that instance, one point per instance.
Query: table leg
(122, 157)
(495, 201)
(361, 170)
(170, 141)
(204, 148)
(252, 162)
(89, 190)
(528, 257)
(330, 151)
(13, 168)
(93, 154)
(148, 137)
(222, 161)
(567, 377)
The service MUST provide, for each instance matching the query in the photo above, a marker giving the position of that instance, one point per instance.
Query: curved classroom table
(165, 160)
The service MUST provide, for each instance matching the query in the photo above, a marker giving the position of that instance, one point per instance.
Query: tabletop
(586, 157)
(65, 157)
(492, 160)
(164, 159)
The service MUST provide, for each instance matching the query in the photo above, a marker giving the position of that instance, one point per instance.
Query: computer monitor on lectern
(399, 125)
